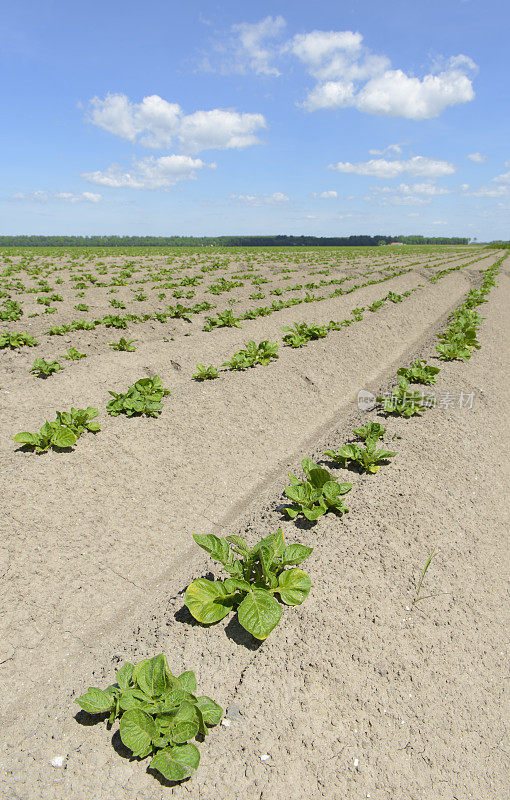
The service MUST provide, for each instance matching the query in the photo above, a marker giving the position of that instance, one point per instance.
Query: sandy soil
(357, 693)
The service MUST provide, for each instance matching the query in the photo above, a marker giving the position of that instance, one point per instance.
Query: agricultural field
(281, 468)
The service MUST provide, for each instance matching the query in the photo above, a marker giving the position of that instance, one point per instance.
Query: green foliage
(114, 321)
(63, 432)
(404, 403)
(372, 430)
(179, 312)
(124, 344)
(115, 303)
(73, 354)
(319, 493)
(253, 354)
(458, 340)
(204, 373)
(81, 307)
(10, 311)
(256, 577)
(366, 457)
(159, 714)
(301, 333)
(144, 397)
(45, 368)
(223, 319)
(395, 298)
(375, 305)
(15, 340)
(420, 372)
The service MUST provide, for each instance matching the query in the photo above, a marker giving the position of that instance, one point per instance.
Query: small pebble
(58, 761)
(356, 762)
(265, 757)
(225, 722)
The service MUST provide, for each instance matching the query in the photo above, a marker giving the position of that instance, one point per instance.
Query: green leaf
(259, 613)
(152, 678)
(239, 543)
(188, 681)
(63, 437)
(96, 701)
(124, 675)
(294, 585)
(178, 762)
(204, 600)
(295, 554)
(137, 730)
(211, 711)
(216, 547)
(181, 732)
(27, 438)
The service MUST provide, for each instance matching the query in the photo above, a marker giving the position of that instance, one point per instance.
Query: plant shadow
(236, 633)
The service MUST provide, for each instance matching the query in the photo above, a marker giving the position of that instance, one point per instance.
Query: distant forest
(222, 241)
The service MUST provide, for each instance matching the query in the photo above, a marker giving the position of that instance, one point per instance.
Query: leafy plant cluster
(316, 494)
(256, 575)
(159, 714)
(253, 354)
(63, 432)
(144, 397)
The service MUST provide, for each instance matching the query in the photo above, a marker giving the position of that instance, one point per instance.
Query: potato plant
(404, 403)
(253, 354)
(204, 373)
(63, 432)
(420, 372)
(372, 430)
(127, 345)
(144, 397)
(366, 457)
(16, 340)
(45, 368)
(73, 354)
(256, 576)
(159, 714)
(319, 493)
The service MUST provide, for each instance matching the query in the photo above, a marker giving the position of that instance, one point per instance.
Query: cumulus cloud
(251, 45)
(275, 199)
(348, 74)
(330, 194)
(425, 188)
(504, 177)
(149, 173)
(156, 123)
(478, 158)
(64, 197)
(417, 166)
(394, 149)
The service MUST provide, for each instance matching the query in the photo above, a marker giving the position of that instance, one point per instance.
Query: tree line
(223, 241)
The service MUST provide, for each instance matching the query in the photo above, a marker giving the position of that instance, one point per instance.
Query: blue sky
(325, 118)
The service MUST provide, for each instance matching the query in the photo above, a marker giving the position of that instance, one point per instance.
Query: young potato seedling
(204, 373)
(316, 495)
(256, 577)
(15, 340)
(73, 354)
(372, 430)
(44, 368)
(159, 714)
(223, 319)
(124, 344)
(253, 354)
(366, 457)
(63, 432)
(420, 372)
(144, 397)
(404, 403)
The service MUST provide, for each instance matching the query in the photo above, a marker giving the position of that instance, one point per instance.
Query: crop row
(160, 714)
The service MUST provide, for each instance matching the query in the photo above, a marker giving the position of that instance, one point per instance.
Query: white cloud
(331, 194)
(417, 166)
(277, 198)
(65, 197)
(396, 94)
(391, 148)
(251, 47)
(503, 178)
(490, 191)
(157, 123)
(425, 188)
(149, 173)
(349, 74)
(478, 158)
(439, 222)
